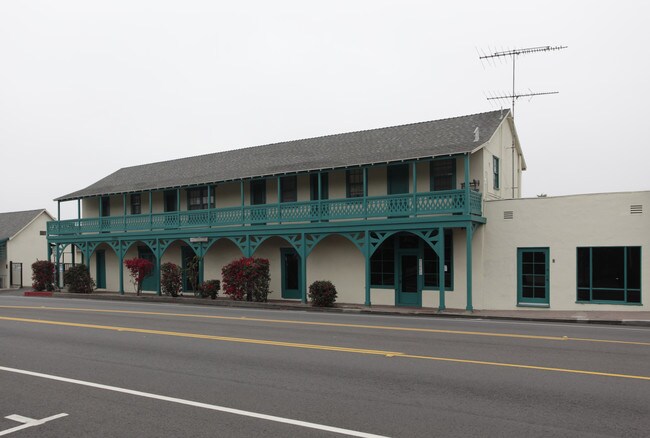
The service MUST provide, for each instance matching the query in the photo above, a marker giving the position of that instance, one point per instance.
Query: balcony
(373, 207)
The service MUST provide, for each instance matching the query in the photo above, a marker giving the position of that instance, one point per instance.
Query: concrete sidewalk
(635, 318)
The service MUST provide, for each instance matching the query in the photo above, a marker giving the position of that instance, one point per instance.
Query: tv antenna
(513, 54)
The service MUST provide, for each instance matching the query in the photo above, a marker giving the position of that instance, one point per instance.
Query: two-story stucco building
(426, 214)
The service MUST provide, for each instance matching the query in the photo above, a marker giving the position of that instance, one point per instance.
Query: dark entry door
(100, 261)
(532, 277)
(290, 273)
(409, 288)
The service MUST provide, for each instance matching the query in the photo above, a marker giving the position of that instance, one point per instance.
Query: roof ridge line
(313, 138)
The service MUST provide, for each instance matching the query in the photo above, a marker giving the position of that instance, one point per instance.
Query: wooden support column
(279, 200)
(150, 212)
(469, 232)
(441, 268)
(414, 168)
(366, 254)
(157, 268)
(120, 258)
(124, 210)
(303, 269)
(58, 216)
(58, 268)
(365, 192)
(467, 203)
(320, 196)
(78, 208)
(241, 190)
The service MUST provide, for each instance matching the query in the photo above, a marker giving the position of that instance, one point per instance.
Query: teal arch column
(303, 268)
(469, 233)
(158, 254)
(441, 268)
(366, 255)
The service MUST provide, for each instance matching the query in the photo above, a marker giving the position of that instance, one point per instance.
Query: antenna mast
(514, 95)
(514, 54)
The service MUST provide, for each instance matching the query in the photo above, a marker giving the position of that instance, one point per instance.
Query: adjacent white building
(22, 242)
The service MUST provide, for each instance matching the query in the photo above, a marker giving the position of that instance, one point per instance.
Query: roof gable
(405, 142)
(12, 223)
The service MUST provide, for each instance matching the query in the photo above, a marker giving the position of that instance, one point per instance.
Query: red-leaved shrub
(247, 278)
(43, 275)
(138, 270)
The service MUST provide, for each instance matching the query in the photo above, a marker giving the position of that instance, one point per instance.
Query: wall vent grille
(636, 209)
(508, 215)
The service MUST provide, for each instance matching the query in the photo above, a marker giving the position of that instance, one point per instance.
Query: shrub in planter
(138, 269)
(171, 282)
(78, 280)
(210, 288)
(43, 275)
(322, 293)
(247, 278)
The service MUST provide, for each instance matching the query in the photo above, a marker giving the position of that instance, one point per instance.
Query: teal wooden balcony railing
(406, 205)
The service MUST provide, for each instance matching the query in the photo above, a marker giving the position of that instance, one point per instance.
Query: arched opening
(102, 260)
(221, 252)
(141, 249)
(405, 269)
(182, 254)
(284, 266)
(337, 259)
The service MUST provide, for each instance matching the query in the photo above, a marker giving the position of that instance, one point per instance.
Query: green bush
(247, 278)
(210, 288)
(43, 275)
(78, 280)
(322, 293)
(171, 282)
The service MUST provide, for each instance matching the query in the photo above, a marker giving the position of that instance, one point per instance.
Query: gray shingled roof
(13, 222)
(396, 143)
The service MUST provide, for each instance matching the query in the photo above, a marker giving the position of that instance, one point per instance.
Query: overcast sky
(88, 87)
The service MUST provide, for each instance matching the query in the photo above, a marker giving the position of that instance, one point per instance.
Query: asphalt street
(157, 370)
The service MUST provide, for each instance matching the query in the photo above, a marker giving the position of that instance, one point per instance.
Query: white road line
(189, 403)
(30, 423)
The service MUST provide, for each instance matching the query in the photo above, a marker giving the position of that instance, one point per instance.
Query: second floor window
(171, 201)
(289, 188)
(136, 203)
(442, 174)
(354, 183)
(495, 172)
(197, 199)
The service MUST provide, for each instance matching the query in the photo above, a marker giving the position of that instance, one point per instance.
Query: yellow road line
(324, 347)
(334, 324)
(202, 336)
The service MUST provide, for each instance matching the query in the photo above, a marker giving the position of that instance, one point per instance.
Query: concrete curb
(344, 309)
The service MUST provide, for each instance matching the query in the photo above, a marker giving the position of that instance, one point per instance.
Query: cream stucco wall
(562, 224)
(500, 146)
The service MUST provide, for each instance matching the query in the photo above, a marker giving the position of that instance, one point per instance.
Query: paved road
(153, 370)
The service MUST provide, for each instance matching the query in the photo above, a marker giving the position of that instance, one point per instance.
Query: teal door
(533, 277)
(150, 282)
(100, 272)
(397, 178)
(409, 286)
(290, 261)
